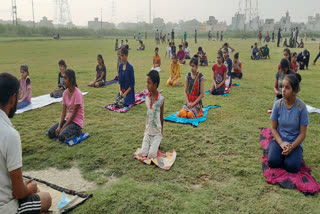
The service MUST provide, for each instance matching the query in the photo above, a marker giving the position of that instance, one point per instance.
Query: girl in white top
(187, 50)
(168, 51)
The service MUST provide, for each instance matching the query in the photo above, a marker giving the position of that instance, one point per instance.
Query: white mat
(312, 109)
(41, 101)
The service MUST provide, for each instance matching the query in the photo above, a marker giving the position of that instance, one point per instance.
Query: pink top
(76, 99)
(181, 54)
(25, 84)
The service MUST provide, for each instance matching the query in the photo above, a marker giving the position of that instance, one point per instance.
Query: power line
(34, 24)
(149, 11)
(113, 11)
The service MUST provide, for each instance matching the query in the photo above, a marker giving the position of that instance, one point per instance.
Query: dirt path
(70, 178)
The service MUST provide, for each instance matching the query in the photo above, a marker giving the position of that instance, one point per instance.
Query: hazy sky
(170, 10)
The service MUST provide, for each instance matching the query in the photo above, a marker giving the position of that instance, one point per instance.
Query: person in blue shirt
(228, 63)
(126, 96)
(289, 127)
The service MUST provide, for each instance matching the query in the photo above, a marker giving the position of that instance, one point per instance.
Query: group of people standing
(218, 36)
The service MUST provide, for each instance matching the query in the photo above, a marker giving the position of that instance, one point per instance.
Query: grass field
(218, 166)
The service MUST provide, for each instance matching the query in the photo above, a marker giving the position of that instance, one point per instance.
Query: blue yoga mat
(75, 140)
(223, 95)
(194, 122)
(226, 94)
(108, 83)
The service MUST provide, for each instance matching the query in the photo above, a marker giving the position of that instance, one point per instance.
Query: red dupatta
(193, 96)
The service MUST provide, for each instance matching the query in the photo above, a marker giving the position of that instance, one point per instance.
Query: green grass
(218, 166)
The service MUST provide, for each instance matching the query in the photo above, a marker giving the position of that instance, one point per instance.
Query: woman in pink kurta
(70, 126)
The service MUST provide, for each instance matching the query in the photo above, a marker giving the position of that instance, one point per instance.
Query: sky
(170, 10)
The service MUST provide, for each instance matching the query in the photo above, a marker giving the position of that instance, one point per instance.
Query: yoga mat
(75, 140)
(313, 109)
(78, 140)
(140, 97)
(302, 181)
(56, 192)
(164, 160)
(226, 93)
(310, 110)
(194, 122)
(41, 101)
(109, 83)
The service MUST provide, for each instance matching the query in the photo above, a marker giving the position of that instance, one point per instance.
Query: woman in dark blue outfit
(289, 127)
(126, 82)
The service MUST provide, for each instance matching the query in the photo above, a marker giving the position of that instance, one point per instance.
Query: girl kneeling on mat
(101, 73)
(289, 127)
(194, 91)
(175, 72)
(219, 76)
(69, 127)
(58, 92)
(25, 88)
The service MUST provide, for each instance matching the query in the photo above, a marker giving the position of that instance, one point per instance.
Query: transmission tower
(34, 24)
(250, 13)
(113, 11)
(62, 12)
(14, 12)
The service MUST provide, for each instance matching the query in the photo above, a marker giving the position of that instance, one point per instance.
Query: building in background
(238, 22)
(285, 23)
(269, 25)
(314, 23)
(97, 25)
(255, 24)
(45, 22)
(214, 25)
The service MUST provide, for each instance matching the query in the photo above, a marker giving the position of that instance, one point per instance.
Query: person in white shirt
(168, 51)
(187, 50)
(226, 45)
(17, 195)
(121, 44)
